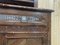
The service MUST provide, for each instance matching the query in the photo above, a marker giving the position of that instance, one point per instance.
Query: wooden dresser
(21, 25)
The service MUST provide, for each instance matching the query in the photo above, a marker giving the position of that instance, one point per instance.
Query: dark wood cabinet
(25, 26)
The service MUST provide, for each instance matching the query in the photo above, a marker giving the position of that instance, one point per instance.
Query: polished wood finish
(25, 33)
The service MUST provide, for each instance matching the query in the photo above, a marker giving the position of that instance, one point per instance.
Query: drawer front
(16, 17)
(37, 19)
(23, 22)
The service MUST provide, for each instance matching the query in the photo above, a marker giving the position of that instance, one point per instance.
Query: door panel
(34, 42)
(16, 41)
(24, 42)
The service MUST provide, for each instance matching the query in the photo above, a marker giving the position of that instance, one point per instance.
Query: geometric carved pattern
(32, 28)
(18, 20)
(29, 19)
(26, 28)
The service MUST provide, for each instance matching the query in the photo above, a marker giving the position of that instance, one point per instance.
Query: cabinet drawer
(23, 20)
(16, 17)
(28, 21)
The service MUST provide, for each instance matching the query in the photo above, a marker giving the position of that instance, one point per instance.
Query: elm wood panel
(24, 41)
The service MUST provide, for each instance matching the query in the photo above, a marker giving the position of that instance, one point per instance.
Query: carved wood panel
(23, 20)
(27, 28)
(24, 42)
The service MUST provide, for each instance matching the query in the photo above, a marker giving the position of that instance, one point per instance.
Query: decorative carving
(16, 29)
(32, 29)
(27, 19)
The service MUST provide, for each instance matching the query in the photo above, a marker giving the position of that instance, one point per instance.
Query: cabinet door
(24, 41)
(20, 41)
(37, 41)
(16, 42)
